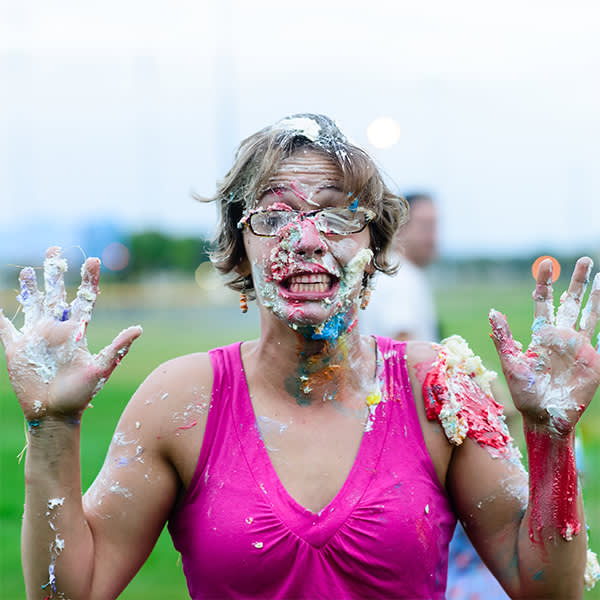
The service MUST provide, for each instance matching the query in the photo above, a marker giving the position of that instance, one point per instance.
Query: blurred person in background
(403, 307)
(311, 462)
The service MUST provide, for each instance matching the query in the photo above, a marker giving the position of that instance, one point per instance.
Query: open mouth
(309, 284)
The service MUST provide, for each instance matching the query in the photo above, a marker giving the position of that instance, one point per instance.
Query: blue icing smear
(354, 204)
(24, 295)
(331, 329)
(538, 323)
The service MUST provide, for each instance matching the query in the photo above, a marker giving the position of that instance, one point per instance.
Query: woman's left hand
(554, 381)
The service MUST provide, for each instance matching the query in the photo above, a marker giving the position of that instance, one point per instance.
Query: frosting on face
(306, 278)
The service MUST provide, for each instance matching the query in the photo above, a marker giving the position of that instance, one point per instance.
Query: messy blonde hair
(257, 160)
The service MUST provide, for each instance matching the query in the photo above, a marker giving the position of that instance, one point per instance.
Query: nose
(308, 240)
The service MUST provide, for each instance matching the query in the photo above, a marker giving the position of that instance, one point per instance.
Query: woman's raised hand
(554, 381)
(49, 364)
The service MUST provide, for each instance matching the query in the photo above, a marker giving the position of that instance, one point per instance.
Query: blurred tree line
(154, 251)
(513, 268)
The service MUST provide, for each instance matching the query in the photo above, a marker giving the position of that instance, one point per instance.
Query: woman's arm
(552, 384)
(70, 551)
(530, 533)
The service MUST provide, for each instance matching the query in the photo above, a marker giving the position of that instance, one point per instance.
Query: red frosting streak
(297, 191)
(553, 475)
(435, 391)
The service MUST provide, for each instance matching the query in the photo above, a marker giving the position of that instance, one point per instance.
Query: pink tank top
(384, 535)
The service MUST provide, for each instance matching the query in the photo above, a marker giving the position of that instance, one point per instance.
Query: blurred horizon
(114, 114)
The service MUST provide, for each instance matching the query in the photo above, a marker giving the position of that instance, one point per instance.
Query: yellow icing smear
(374, 398)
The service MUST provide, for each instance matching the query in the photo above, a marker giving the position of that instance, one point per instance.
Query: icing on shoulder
(457, 393)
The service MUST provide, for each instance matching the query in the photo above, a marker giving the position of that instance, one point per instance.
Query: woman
(312, 462)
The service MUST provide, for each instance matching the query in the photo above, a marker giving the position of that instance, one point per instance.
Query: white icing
(460, 356)
(592, 570)
(117, 489)
(268, 425)
(54, 502)
(304, 125)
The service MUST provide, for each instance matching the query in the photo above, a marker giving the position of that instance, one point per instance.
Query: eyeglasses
(330, 221)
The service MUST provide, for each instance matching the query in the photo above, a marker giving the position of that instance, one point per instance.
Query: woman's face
(303, 273)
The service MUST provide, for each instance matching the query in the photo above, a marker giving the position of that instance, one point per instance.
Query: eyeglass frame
(302, 215)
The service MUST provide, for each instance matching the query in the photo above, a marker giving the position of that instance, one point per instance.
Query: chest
(313, 454)
(388, 517)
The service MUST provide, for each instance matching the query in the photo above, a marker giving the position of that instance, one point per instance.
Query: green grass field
(168, 333)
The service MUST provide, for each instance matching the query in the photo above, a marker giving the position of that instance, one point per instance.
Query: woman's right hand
(49, 364)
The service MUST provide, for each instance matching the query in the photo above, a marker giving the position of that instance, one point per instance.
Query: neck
(315, 365)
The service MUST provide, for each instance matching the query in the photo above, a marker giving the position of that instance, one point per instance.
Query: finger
(502, 335)
(8, 332)
(570, 301)
(591, 312)
(543, 307)
(30, 297)
(109, 357)
(509, 352)
(55, 304)
(83, 305)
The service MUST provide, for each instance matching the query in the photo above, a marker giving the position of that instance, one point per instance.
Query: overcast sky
(116, 111)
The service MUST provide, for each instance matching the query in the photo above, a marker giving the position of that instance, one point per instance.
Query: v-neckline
(314, 528)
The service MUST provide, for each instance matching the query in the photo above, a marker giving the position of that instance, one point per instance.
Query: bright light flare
(383, 132)
(115, 256)
(535, 267)
(205, 276)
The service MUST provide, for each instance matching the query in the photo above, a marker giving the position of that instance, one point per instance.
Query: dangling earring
(243, 301)
(364, 298)
(365, 293)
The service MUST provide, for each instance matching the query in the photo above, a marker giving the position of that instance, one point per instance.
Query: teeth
(308, 287)
(309, 282)
(310, 278)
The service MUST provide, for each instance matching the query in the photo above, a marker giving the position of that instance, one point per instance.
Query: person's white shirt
(401, 305)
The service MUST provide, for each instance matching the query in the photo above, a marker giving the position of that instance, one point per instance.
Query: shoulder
(421, 353)
(183, 383)
(457, 392)
(170, 408)
(178, 373)
(421, 359)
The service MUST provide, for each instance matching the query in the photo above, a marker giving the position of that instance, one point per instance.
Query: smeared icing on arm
(554, 493)
(554, 490)
(552, 383)
(457, 393)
